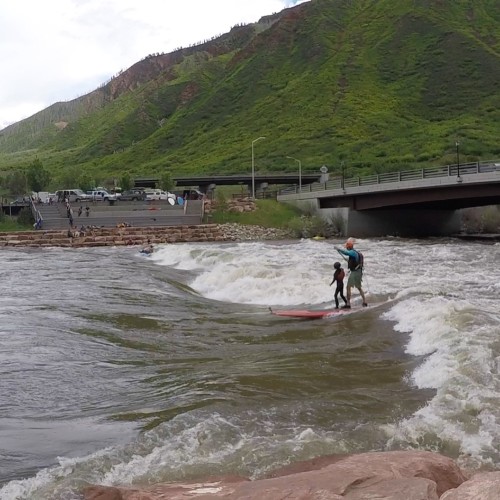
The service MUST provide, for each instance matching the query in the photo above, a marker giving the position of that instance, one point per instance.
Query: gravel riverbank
(240, 232)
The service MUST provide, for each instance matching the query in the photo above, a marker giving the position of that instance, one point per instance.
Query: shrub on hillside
(221, 201)
(309, 226)
(481, 220)
(490, 220)
(337, 225)
(25, 218)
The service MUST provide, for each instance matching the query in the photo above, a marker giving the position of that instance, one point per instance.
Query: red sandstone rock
(313, 464)
(397, 475)
(102, 493)
(113, 236)
(482, 486)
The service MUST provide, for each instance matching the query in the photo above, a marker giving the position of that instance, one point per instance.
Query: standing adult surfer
(355, 263)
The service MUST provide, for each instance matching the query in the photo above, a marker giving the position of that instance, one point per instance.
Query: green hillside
(378, 84)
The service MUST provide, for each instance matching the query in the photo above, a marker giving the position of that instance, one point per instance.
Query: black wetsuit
(338, 277)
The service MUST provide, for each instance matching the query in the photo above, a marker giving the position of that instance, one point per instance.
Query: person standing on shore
(355, 262)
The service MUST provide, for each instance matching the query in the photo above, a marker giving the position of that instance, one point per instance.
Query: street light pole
(342, 181)
(300, 171)
(253, 166)
(457, 144)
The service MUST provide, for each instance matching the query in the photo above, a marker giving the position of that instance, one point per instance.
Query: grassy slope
(269, 213)
(11, 225)
(379, 84)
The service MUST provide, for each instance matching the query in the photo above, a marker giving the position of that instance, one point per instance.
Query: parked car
(192, 194)
(116, 192)
(158, 194)
(21, 201)
(72, 195)
(133, 195)
(101, 195)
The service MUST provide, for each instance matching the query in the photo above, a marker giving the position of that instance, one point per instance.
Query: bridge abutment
(404, 222)
(415, 222)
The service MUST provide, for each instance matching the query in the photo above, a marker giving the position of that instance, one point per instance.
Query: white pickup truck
(158, 194)
(101, 195)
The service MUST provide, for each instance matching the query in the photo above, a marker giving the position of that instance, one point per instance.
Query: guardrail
(401, 176)
(37, 216)
(265, 194)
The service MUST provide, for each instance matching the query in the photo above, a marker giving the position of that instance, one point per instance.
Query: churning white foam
(256, 273)
(460, 361)
(189, 443)
(446, 305)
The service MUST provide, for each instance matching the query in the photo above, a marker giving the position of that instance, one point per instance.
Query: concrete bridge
(407, 203)
(208, 183)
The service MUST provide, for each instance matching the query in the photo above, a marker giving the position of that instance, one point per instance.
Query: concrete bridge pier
(404, 222)
(260, 187)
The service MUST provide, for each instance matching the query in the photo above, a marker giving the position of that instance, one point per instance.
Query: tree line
(36, 178)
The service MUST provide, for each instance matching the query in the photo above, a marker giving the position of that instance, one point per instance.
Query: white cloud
(57, 50)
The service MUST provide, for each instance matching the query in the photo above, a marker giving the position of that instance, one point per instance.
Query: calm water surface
(121, 369)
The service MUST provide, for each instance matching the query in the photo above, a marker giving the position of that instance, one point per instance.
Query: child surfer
(338, 277)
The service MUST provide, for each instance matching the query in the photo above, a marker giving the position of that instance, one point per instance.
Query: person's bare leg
(348, 295)
(362, 295)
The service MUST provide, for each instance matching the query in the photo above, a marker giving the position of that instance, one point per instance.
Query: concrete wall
(403, 222)
(113, 236)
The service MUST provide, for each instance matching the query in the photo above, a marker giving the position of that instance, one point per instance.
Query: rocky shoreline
(121, 236)
(165, 234)
(392, 475)
(240, 232)
(488, 237)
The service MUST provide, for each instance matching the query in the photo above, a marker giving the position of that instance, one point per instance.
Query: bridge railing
(400, 176)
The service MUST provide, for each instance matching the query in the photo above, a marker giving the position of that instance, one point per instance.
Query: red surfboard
(310, 313)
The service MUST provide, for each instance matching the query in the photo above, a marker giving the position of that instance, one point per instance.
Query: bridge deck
(449, 187)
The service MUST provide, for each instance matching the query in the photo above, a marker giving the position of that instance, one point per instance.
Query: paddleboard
(311, 313)
(323, 313)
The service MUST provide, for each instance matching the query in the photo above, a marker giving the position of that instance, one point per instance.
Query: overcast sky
(57, 50)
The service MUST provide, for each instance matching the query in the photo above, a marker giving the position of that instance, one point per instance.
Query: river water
(116, 368)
